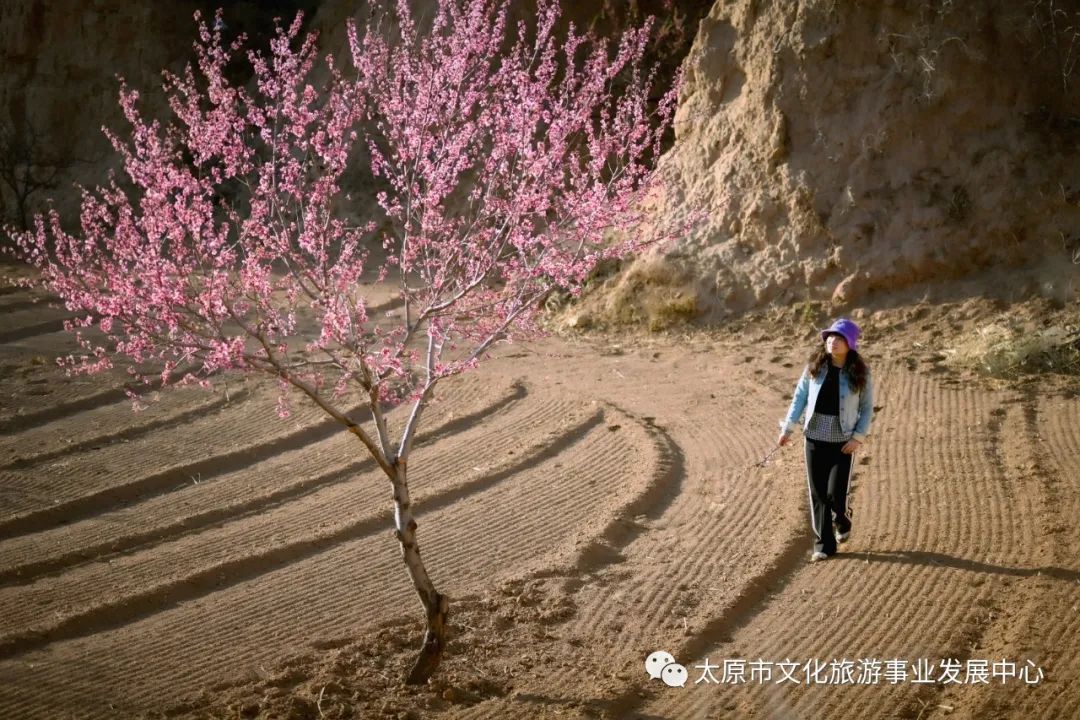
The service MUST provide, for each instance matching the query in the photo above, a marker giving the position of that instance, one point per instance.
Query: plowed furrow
(509, 526)
(891, 576)
(257, 488)
(191, 567)
(70, 396)
(30, 323)
(91, 430)
(231, 438)
(688, 554)
(13, 302)
(1038, 613)
(701, 551)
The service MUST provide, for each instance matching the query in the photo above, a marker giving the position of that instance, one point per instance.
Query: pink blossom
(506, 167)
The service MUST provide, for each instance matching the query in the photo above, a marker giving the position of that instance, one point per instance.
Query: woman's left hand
(850, 447)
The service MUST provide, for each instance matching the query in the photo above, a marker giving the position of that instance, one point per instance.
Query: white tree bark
(436, 605)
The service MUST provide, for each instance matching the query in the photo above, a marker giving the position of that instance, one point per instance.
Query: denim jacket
(856, 408)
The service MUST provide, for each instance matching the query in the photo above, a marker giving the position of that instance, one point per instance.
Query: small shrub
(1005, 351)
(678, 310)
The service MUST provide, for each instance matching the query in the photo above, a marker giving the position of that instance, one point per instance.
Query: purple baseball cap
(845, 327)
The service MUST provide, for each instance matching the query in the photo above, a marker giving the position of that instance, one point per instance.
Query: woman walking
(837, 396)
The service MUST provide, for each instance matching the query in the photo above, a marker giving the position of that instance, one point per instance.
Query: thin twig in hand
(765, 460)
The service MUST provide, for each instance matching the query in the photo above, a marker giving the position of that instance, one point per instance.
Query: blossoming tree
(505, 160)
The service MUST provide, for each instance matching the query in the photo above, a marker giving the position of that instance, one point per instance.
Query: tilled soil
(583, 501)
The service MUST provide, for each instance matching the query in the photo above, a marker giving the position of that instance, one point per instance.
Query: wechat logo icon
(661, 666)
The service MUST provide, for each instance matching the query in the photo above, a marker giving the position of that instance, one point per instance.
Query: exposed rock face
(60, 60)
(843, 148)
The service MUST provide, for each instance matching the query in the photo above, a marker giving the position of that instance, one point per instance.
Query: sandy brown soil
(584, 500)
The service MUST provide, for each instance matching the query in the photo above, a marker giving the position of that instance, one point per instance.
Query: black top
(828, 399)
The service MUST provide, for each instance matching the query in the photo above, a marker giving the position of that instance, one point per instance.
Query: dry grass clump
(652, 293)
(1006, 350)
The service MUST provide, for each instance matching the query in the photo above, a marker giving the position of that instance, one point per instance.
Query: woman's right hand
(783, 439)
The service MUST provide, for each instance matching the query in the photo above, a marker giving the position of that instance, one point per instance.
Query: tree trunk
(436, 605)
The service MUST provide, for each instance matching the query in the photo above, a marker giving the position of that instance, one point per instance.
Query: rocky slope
(842, 151)
(60, 62)
(845, 150)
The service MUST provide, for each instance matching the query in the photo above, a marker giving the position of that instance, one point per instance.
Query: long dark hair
(854, 366)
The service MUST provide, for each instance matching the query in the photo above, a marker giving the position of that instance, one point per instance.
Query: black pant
(827, 474)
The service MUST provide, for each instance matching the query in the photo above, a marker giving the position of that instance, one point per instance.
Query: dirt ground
(585, 501)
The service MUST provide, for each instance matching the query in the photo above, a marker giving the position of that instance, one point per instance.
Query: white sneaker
(818, 556)
(842, 536)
